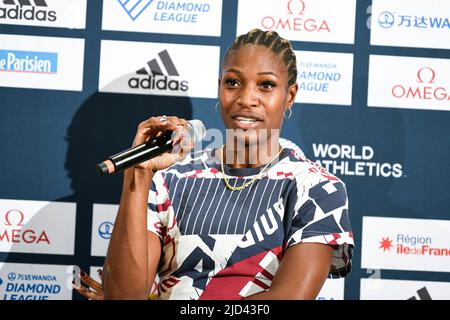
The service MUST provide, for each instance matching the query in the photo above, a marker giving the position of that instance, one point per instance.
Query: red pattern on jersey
(227, 283)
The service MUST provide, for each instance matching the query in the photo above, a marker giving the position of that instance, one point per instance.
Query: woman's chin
(248, 138)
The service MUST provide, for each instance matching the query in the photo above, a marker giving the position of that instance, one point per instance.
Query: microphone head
(197, 130)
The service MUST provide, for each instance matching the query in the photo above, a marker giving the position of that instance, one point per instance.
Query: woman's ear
(292, 93)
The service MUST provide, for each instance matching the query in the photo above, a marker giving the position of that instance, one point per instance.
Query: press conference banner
(77, 77)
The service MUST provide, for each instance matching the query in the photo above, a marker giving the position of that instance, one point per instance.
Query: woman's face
(254, 91)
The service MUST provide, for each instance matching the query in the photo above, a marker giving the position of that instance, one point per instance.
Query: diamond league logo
(135, 8)
(386, 20)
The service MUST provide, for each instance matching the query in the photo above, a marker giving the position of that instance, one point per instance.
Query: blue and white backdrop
(76, 77)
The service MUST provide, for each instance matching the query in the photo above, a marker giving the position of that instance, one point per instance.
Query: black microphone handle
(132, 156)
(123, 162)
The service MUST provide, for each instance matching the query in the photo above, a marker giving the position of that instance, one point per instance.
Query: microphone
(147, 150)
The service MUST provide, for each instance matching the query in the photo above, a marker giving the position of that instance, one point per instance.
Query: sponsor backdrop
(77, 76)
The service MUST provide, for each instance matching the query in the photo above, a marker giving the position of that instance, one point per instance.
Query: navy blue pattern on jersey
(204, 206)
(223, 244)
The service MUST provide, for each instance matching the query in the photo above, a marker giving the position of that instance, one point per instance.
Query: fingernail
(82, 273)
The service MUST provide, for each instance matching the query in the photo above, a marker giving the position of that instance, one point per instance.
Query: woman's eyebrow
(259, 73)
(234, 70)
(268, 73)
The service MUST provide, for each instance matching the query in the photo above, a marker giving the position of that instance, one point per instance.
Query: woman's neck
(240, 155)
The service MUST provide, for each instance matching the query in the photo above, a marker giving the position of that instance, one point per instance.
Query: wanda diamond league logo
(386, 244)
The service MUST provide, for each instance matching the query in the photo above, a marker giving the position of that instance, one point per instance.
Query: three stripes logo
(36, 10)
(155, 69)
(159, 75)
(134, 8)
(423, 295)
(38, 3)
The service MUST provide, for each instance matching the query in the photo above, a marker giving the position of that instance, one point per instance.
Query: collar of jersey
(242, 172)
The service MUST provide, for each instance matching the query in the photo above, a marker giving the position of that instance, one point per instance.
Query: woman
(249, 220)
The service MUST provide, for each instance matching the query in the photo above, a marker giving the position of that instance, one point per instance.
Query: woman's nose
(249, 97)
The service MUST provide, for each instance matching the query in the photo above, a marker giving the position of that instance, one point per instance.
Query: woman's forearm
(126, 265)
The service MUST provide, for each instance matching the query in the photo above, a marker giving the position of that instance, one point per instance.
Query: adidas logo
(423, 295)
(27, 10)
(156, 79)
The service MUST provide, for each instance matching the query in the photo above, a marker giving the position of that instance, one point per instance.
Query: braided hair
(270, 39)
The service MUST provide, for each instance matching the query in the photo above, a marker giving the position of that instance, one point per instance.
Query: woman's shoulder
(304, 171)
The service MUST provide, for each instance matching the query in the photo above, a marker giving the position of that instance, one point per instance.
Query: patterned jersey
(223, 244)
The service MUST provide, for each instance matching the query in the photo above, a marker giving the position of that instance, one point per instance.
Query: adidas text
(158, 83)
(26, 13)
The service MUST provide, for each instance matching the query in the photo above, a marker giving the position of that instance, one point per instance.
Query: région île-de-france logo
(296, 19)
(406, 244)
(424, 88)
(30, 10)
(134, 8)
(28, 62)
(15, 232)
(152, 77)
(388, 20)
(386, 244)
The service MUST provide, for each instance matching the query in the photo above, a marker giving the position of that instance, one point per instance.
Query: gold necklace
(245, 185)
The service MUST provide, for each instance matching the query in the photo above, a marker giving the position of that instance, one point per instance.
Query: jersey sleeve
(319, 213)
(158, 198)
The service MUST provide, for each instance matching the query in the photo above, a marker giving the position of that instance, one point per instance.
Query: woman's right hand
(156, 126)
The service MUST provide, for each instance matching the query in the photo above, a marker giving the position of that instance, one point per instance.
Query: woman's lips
(246, 122)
